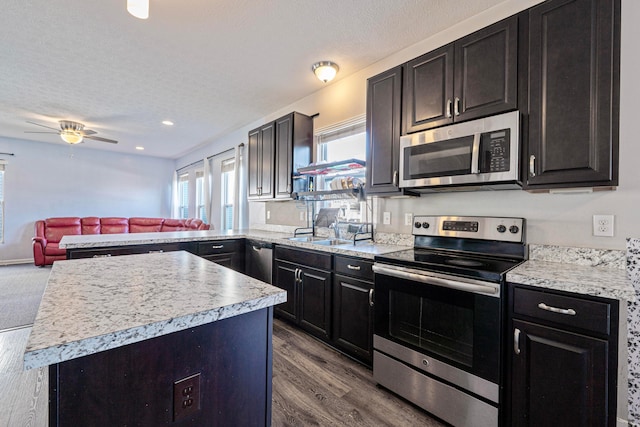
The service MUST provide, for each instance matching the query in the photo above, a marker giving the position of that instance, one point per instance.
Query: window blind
(344, 129)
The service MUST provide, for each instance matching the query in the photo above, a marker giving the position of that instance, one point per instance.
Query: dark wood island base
(133, 385)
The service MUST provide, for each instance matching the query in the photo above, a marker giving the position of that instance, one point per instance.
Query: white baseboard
(16, 261)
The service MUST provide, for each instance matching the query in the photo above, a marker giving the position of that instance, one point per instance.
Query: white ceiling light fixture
(167, 122)
(138, 8)
(325, 70)
(139, 148)
(71, 136)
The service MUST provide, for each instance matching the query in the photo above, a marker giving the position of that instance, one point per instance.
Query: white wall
(48, 180)
(552, 218)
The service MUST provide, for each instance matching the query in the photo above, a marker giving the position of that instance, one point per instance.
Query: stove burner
(464, 262)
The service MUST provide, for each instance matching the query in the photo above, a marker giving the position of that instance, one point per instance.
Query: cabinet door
(574, 48)
(486, 71)
(284, 277)
(294, 147)
(428, 90)
(267, 143)
(383, 132)
(315, 301)
(353, 317)
(254, 162)
(559, 378)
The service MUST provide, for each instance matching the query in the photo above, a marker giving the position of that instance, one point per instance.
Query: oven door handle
(421, 277)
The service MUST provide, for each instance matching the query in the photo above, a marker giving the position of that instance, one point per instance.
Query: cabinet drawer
(585, 314)
(320, 260)
(219, 247)
(355, 267)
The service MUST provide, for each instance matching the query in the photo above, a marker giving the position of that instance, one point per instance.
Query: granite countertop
(363, 249)
(96, 304)
(581, 279)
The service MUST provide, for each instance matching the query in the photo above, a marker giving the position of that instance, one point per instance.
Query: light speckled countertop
(92, 305)
(581, 279)
(363, 249)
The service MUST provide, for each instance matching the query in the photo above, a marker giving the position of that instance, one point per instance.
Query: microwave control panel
(494, 147)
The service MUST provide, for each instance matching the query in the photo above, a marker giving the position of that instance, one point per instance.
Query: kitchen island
(154, 339)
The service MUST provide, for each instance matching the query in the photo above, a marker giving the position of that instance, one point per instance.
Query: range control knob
(425, 224)
(417, 224)
(501, 228)
(514, 229)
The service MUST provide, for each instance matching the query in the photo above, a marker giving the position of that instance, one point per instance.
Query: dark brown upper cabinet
(294, 146)
(384, 97)
(473, 77)
(261, 154)
(276, 150)
(573, 100)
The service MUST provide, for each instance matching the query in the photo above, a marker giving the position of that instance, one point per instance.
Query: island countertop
(92, 305)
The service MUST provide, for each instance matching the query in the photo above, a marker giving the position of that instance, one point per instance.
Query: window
(1, 202)
(228, 192)
(183, 196)
(200, 211)
(341, 142)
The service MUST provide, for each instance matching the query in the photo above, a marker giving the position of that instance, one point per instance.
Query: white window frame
(2, 217)
(227, 192)
(200, 211)
(183, 195)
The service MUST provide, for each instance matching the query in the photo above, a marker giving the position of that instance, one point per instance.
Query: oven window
(433, 324)
(446, 158)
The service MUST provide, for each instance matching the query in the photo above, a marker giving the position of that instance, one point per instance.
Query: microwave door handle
(475, 154)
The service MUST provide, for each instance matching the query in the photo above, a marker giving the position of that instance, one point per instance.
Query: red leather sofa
(49, 232)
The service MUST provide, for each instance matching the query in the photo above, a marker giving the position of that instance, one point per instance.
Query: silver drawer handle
(159, 251)
(568, 311)
(532, 165)
(217, 246)
(102, 256)
(353, 267)
(516, 341)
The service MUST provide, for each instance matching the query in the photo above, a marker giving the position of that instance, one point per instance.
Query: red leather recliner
(48, 235)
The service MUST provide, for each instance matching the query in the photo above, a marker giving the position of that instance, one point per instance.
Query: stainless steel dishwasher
(259, 259)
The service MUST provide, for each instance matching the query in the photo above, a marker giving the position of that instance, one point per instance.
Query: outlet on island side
(186, 397)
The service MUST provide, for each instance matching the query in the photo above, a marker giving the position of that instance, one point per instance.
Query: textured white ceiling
(211, 66)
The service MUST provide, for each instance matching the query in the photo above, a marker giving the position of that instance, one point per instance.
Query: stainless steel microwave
(473, 155)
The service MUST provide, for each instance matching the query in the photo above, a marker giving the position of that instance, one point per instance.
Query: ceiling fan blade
(97, 138)
(38, 124)
(88, 132)
(34, 131)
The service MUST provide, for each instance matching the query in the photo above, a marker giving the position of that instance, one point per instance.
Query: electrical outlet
(603, 225)
(408, 219)
(268, 214)
(386, 218)
(186, 397)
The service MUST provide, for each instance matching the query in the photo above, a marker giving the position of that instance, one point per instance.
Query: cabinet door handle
(532, 165)
(395, 178)
(567, 311)
(456, 107)
(217, 246)
(448, 114)
(102, 256)
(159, 251)
(371, 297)
(353, 267)
(516, 341)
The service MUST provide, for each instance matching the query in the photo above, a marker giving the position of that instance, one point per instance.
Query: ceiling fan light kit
(138, 8)
(73, 132)
(325, 70)
(71, 137)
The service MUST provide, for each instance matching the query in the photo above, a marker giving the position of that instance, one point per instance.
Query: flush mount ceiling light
(167, 122)
(71, 136)
(138, 8)
(325, 70)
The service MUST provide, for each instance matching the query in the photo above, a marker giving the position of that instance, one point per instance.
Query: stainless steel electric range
(438, 328)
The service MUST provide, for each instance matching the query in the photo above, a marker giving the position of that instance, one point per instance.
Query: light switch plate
(386, 218)
(408, 219)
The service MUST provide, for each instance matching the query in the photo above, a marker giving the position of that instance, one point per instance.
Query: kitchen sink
(331, 242)
(306, 239)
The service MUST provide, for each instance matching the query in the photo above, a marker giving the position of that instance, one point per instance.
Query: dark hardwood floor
(314, 385)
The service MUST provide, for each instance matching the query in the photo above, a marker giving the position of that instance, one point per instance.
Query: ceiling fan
(73, 132)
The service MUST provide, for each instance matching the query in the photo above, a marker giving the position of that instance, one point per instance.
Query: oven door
(453, 320)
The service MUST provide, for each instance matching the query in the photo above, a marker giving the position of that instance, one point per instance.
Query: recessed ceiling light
(139, 148)
(167, 122)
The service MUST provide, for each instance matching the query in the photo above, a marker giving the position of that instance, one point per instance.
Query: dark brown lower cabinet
(353, 317)
(308, 288)
(133, 385)
(229, 253)
(563, 369)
